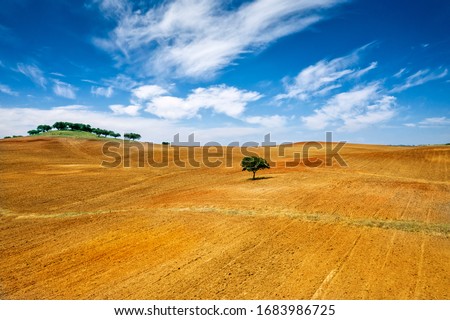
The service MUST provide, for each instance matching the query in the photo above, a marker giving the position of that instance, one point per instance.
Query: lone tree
(254, 164)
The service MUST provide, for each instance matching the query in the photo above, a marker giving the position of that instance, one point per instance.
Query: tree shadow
(259, 178)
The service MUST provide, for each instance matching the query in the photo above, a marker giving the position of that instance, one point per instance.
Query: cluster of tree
(103, 132)
(61, 125)
(132, 136)
(33, 132)
(40, 128)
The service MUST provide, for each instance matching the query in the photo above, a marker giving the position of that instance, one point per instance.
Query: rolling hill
(74, 229)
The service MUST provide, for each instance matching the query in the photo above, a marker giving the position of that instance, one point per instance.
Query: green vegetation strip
(436, 229)
(7, 213)
(69, 134)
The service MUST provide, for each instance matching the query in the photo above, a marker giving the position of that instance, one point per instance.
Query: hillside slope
(72, 229)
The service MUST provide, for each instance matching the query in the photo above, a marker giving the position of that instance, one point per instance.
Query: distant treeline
(60, 125)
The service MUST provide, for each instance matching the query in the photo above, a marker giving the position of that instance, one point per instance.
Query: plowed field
(72, 229)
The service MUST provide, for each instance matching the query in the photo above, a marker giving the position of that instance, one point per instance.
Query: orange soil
(72, 229)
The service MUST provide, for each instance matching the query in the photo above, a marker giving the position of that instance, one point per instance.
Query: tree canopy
(33, 132)
(132, 136)
(60, 125)
(43, 128)
(253, 164)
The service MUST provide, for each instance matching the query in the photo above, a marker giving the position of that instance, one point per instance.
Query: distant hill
(69, 134)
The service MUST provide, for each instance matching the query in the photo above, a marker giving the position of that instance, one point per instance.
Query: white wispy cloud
(102, 91)
(221, 99)
(275, 121)
(400, 73)
(72, 107)
(353, 110)
(435, 122)
(324, 76)
(147, 92)
(64, 89)
(113, 8)
(197, 38)
(57, 74)
(419, 78)
(33, 73)
(89, 81)
(131, 110)
(122, 82)
(360, 73)
(7, 90)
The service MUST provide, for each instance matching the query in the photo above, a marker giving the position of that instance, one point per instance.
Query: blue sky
(369, 71)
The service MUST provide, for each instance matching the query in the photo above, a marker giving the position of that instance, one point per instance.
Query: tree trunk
(254, 175)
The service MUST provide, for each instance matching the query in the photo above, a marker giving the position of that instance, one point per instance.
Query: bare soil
(72, 229)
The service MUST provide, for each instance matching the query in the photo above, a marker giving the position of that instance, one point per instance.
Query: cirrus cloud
(324, 76)
(435, 122)
(418, 78)
(102, 91)
(198, 38)
(64, 89)
(33, 73)
(7, 90)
